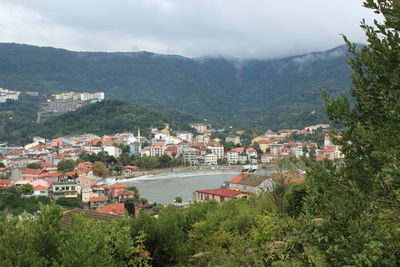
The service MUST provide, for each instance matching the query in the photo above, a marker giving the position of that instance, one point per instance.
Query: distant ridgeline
(277, 93)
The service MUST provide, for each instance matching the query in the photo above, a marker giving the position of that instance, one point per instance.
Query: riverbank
(139, 174)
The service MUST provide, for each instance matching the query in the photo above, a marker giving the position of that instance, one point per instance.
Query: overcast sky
(194, 28)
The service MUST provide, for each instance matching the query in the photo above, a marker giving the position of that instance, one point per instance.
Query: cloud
(194, 28)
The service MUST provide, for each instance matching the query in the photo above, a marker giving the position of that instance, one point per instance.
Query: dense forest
(277, 93)
(19, 125)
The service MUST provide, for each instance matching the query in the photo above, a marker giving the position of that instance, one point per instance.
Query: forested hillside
(106, 117)
(274, 93)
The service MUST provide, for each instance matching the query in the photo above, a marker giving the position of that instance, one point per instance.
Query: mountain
(246, 93)
(106, 117)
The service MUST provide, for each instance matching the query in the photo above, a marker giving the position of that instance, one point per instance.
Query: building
(98, 202)
(187, 136)
(200, 127)
(219, 195)
(234, 139)
(210, 160)
(267, 157)
(191, 155)
(217, 150)
(157, 149)
(233, 155)
(6, 94)
(68, 190)
(249, 182)
(40, 191)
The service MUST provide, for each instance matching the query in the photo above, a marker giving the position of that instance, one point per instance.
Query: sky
(192, 28)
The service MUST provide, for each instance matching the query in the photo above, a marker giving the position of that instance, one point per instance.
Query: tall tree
(358, 200)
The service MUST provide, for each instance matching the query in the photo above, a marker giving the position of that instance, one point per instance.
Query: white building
(157, 149)
(217, 150)
(210, 159)
(187, 136)
(112, 151)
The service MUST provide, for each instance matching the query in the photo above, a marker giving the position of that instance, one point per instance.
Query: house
(210, 159)
(249, 182)
(200, 127)
(68, 190)
(113, 208)
(130, 169)
(98, 202)
(234, 139)
(157, 149)
(40, 190)
(116, 189)
(233, 154)
(267, 157)
(219, 195)
(217, 150)
(6, 183)
(124, 195)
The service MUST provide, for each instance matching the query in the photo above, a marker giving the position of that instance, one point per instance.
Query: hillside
(273, 93)
(106, 117)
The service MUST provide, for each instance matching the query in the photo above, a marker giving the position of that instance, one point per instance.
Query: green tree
(34, 166)
(100, 169)
(66, 165)
(178, 199)
(356, 203)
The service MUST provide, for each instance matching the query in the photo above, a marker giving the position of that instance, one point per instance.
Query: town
(75, 167)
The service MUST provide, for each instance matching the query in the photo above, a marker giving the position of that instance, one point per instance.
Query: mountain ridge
(273, 93)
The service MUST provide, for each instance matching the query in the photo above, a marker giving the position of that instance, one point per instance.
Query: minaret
(138, 136)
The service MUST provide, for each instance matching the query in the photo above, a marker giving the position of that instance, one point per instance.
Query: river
(164, 188)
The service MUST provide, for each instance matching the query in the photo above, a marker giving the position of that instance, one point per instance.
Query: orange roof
(40, 188)
(98, 199)
(6, 181)
(32, 171)
(238, 178)
(2, 169)
(131, 167)
(126, 192)
(53, 174)
(118, 185)
(237, 149)
(114, 208)
(158, 144)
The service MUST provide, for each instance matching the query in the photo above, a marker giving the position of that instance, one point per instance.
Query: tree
(178, 199)
(100, 169)
(363, 192)
(34, 166)
(66, 165)
(26, 189)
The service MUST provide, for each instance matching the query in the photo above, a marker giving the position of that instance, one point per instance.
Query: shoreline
(178, 170)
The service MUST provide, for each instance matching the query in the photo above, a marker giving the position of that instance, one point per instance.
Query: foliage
(34, 166)
(69, 202)
(66, 165)
(13, 202)
(100, 169)
(350, 208)
(178, 199)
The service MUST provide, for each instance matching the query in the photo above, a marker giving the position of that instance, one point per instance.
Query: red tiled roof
(118, 185)
(98, 199)
(126, 192)
(114, 208)
(238, 178)
(32, 171)
(158, 144)
(40, 188)
(222, 192)
(6, 181)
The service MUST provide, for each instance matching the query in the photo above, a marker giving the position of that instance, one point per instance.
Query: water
(164, 188)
